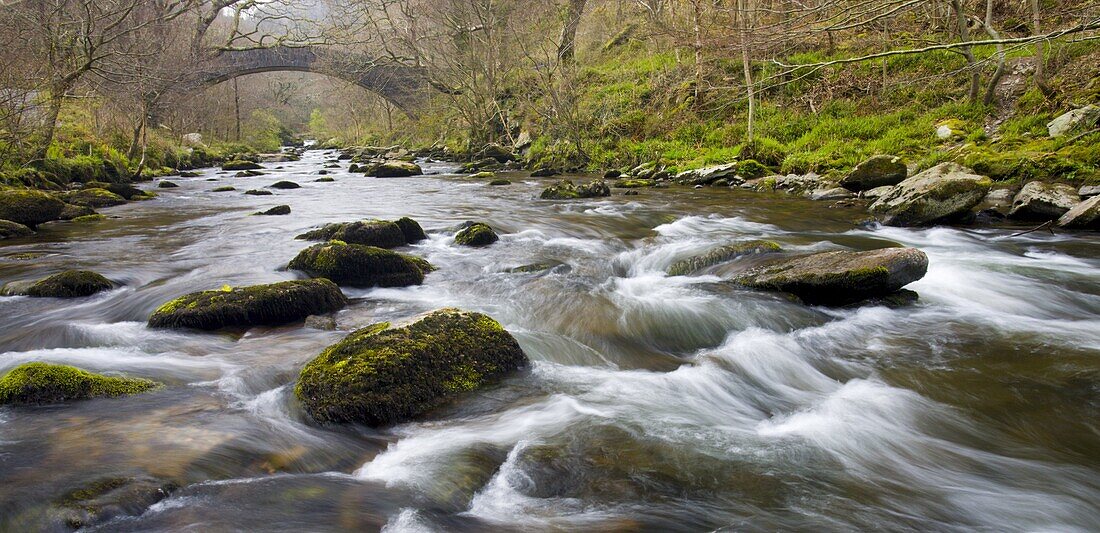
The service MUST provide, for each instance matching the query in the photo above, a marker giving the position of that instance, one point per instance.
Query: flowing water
(651, 402)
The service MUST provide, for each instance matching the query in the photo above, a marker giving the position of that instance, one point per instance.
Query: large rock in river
(477, 234)
(838, 278)
(42, 383)
(67, 284)
(721, 254)
(944, 192)
(1043, 201)
(356, 265)
(392, 169)
(11, 230)
(270, 305)
(383, 375)
(1085, 215)
(380, 233)
(566, 190)
(94, 198)
(878, 171)
(29, 208)
(412, 230)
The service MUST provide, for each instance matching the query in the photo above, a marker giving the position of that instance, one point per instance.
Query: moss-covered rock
(249, 174)
(838, 278)
(12, 230)
(1043, 201)
(357, 265)
(499, 182)
(411, 229)
(258, 192)
(277, 210)
(392, 169)
(240, 164)
(165, 184)
(94, 198)
(325, 179)
(106, 498)
(878, 171)
(258, 305)
(379, 233)
(1085, 215)
(95, 217)
(478, 234)
(381, 375)
(29, 208)
(284, 185)
(72, 211)
(224, 188)
(720, 255)
(567, 190)
(42, 383)
(124, 190)
(69, 284)
(944, 192)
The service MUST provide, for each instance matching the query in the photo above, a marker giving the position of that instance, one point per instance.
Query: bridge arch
(405, 87)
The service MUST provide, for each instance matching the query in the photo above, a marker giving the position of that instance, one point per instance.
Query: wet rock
(124, 190)
(240, 164)
(708, 175)
(944, 192)
(226, 188)
(381, 375)
(484, 175)
(487, 163)
(838, 278)
(108, 498)
(94, 217)
(379, 233)
(258, 305)
(1088, 191)
(11, 230)
(1078, 120)
(277, 158)
(258, 192)
(476, 235)
(411, 229)
(497, 152)
(248, 174)
(612, 174)
(189, 174)
(631, 192)
(997, 202)
(894, 300)
(877, 192)
(94, 198)
(325, 323)
(324, 180)
(499, 182)
(165, 184)
(634, 183)
(878, 171)
(1043, 201)
(29, 208)
(1085, 215)
(43, 383)
(275, 211)
(835, 193)
(722, 254)
(356, 265)
(72, 211)
(566, 190)
(285, 185)
(392, 169)
(545, 172)
(67, 284)
(544, 266)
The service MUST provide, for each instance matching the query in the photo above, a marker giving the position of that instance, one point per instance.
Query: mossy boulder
(478, 234)
(721, 255)
(274, 211)
(43, 383)
(258, 192)
(707, 175)
(392, 169)
(68, 284)
(383, 375)
(224, 188)
(284, 185)
(878, 171)
(165, 184)
(111, 497)
(94, 217)
(124, 190)
(634, 183)
(94, 198)
(12, 230)
(325, 179)
(1043, 201)
(73, 211)
(500, 181)
(356, 265)
(249, 174)
(29, 208)
(945, 192)
(258, 305)
(566, 190)
(240, 164)
(839, 278)
(497, 152)
(412, 230)
(1085, 215)
(379, 233)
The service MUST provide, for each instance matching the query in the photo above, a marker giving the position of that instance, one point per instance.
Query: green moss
(476, 235)
(225, 188)
(411, 229)
(358, 265)
(94, 198)
(70, 284)
(381, 375)
(274, 304)
(751, 169)
(634, 183)
(90, 218)
(378, 233)
(28, 207)
(721, 255)
(240, 164)
(42, 383)
(498, 182)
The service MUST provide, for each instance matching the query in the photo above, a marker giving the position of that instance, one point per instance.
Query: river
(651, 403)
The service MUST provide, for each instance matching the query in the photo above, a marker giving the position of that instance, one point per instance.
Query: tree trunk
(696, 15)
(1040, 51)
(237, 111)
(567, 43)
(743, 15)
(57, 97)
(971, 63)
(991, 89)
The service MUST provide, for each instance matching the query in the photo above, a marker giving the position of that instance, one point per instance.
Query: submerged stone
(258, 305)
(721, 255)
(225, 188)
(43, 383)
(258, 192)
(12, 230)
(28, 207)
(477, 234)
(838, 278)
(284, 185)
(382, 375)
(107, 498)
(357, 265)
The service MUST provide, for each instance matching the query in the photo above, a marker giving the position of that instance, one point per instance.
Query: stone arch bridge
(405, 87)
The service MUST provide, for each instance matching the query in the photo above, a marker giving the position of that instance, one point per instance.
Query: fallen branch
(1045, 225)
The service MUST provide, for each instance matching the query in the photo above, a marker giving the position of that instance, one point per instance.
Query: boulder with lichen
(43, 383)
(257, 305)
(356, 265)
